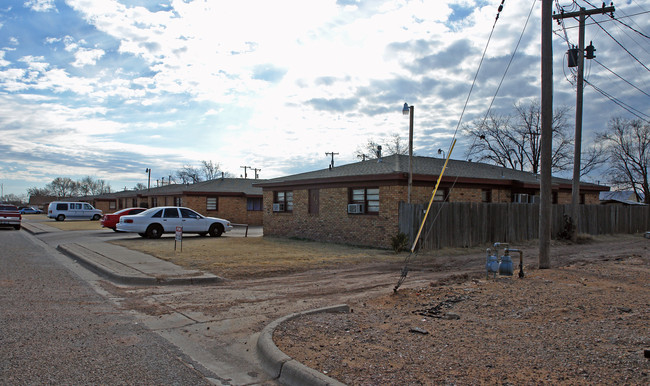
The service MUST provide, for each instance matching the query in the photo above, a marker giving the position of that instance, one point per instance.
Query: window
(254, 203)
(171, 213)
(154, 201)
(134, 202)
(178, 201)
(314, 201)
(158, 214)
(369, 197)
(441, 195)
(486, 195)
(285, 198)
(212, 203)
(187, 213)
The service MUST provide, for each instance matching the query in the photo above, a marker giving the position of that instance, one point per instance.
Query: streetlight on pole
(147, 170)
(440, 151)
(408, 110)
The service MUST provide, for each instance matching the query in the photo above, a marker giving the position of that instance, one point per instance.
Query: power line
(615, 19)
(607, 68)
(617, 42)
(622, 104)
(621, 78)
(509, 63)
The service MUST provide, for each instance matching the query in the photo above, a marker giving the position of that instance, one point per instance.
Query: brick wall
(104, 206)
(564, 197)
(333, 223)
(233, 209)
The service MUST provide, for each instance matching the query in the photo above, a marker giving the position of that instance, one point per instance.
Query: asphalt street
(56, 329)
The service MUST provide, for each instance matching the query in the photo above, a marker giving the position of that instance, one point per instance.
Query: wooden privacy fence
(468, 224)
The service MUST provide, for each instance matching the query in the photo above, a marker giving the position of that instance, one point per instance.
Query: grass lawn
(236, 257)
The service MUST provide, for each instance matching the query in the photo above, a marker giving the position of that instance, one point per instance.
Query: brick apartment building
(233, 199)
(358, 203)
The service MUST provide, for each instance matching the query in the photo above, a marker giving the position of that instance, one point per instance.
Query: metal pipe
(521, 262)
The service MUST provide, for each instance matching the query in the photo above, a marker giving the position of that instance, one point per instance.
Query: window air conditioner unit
(355, 208)
(278, 207)
(520, 198)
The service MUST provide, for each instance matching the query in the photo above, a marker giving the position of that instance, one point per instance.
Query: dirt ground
(585, 321)
(582, 323)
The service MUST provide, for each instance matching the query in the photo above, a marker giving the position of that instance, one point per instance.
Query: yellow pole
(415, 242)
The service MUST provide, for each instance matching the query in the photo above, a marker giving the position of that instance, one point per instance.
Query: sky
(110, 88)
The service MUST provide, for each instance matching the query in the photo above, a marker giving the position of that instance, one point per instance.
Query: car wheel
(96, 217)
(17, 227)
(114, 229)
(60, 217)
(202, 234)
(154, 231)
(216, 230)
(142, 234)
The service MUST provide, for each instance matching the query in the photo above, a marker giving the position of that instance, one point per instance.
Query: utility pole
(575, 189)
(547, 135)
(256, 170)
(332, 154)
(147, 170)
(410, 110)
(245, 169)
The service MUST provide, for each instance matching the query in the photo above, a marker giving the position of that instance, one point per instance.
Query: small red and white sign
(179, 233)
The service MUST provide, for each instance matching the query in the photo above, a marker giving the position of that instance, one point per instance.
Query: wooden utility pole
(332, 154)
(577, 150)
(245, 170)
(547, 135)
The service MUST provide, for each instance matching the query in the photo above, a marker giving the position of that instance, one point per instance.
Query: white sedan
(152, 223)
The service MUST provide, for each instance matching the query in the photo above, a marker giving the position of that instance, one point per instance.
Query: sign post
(179, 237)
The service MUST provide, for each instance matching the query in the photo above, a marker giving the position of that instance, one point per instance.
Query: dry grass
(67, 225)
(235, 257)
(75, 225)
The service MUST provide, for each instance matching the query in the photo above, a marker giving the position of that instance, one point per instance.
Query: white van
(61, 210)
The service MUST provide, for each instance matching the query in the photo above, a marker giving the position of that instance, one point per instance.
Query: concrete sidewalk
(124, 266)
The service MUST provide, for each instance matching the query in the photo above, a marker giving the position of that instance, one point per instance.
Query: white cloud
(270, 82)
(40, 5)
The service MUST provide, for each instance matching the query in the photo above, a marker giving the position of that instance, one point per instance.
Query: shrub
(399, 242)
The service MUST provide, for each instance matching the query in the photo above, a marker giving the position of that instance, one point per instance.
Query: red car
(111, 220)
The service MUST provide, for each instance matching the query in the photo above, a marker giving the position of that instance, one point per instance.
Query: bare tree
(90, 186)
(210, 170)
(392, 145)
(13, 199)
(188, 174)
(396, 146)
(140, 186)
(628, 145)
(513, 141)
(63, 187)
(34, 191)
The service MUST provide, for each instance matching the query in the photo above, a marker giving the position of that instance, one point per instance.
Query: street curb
(136, 280)
(36, 230)
(284, 368)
